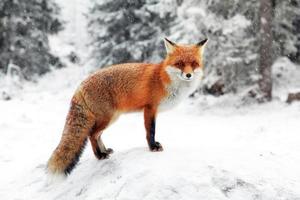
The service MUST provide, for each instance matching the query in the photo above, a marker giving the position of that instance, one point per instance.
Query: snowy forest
(235, 137)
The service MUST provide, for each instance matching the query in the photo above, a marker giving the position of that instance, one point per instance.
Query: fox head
(184, 61)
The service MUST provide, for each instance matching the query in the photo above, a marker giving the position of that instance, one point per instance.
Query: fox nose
(188, 75)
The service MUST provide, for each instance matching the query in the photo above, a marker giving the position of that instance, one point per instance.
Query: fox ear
(202, 45)
(170, 46)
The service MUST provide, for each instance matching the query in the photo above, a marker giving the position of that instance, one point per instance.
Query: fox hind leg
(99, 149)
(104, 152)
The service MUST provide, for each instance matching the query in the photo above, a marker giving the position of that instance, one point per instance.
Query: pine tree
(24, 30)
(286, 29)
(129, 31)
(231, 52)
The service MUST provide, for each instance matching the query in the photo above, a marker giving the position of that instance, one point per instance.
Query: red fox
(121, 88)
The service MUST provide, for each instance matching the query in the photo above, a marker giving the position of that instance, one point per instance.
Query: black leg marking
(103, 155)
(154, 146)
(152, 132)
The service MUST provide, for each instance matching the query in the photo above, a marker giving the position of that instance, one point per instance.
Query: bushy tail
(79, 124)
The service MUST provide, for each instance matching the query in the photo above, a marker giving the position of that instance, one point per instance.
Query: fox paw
(109, 150)
(156, 147)
(104, 155)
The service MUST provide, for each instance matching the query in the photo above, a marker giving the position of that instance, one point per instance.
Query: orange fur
(117, 89)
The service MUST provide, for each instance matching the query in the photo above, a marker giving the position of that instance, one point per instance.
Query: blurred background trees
(24, 30)
(241, 49)
(130, 31)
(246, 37)
(266, 44)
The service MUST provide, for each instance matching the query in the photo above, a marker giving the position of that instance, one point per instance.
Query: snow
(286, 77)
(210, 153)
(235, 23)
(214, 148)
(75, 36)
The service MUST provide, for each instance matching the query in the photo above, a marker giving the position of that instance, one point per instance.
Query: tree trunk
(266, 39)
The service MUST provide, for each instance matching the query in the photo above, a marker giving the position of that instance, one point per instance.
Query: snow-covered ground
(211, 152)
(214, 149)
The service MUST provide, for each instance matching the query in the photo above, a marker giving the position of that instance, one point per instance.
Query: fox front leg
(150, 116)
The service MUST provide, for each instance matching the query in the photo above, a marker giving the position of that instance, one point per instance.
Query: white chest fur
(178, 90)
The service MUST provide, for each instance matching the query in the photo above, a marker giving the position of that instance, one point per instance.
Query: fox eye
(179, 64)
(194, 64)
